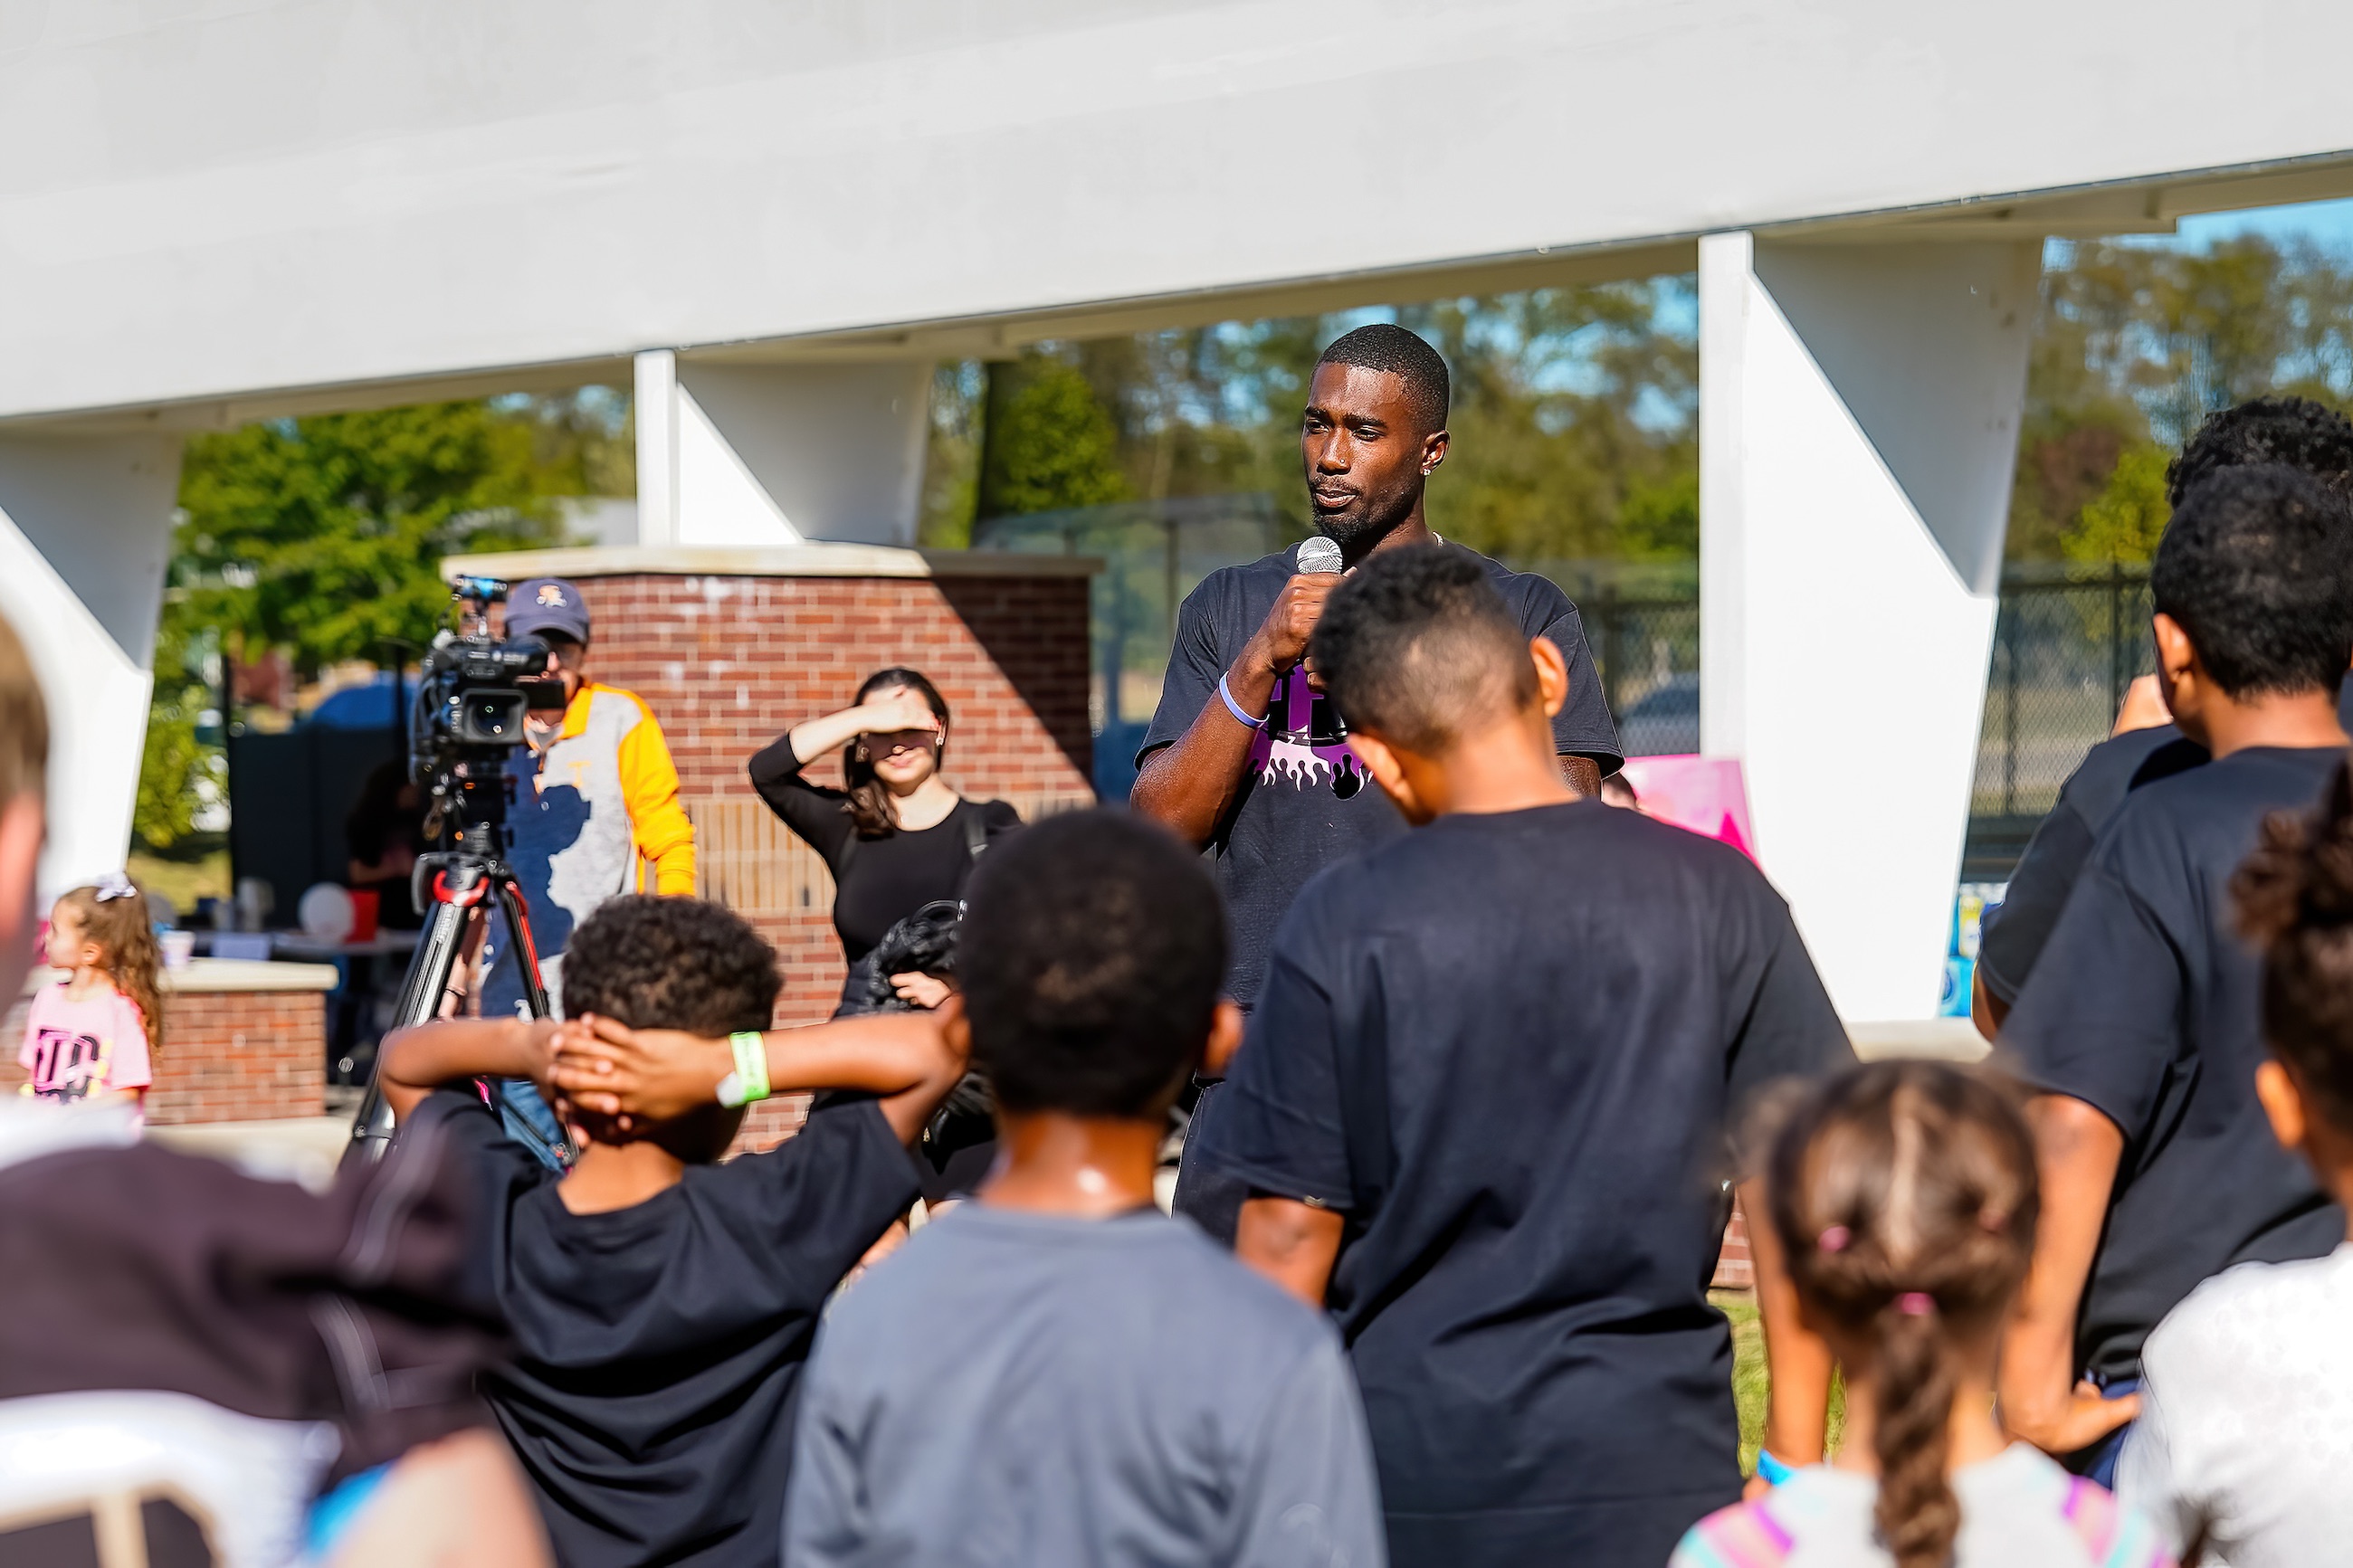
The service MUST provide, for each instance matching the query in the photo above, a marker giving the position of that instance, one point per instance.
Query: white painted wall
(838, 447)
(1858, 425)
(214, 196)
(85, 535)
(761, 454)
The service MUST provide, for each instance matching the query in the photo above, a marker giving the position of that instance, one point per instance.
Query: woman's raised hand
(902, 710)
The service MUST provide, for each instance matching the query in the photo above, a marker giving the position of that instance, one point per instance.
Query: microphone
(1319, 554)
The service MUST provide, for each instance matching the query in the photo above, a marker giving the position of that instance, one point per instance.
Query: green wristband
(749, 1081)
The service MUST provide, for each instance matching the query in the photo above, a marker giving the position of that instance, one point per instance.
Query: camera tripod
(464, 889)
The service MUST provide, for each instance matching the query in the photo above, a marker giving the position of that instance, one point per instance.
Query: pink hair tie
(1834, 1238)
(1916, 1303)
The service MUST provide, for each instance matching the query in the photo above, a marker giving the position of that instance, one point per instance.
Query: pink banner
(1705, 794)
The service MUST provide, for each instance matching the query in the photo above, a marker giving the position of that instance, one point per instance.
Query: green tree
(1573, 417)
(1048, 443)
(583, 442)
(952, 455)
(176, 772)
(2125, 520)
(2134, 345)
(1659, 520)
(324, 536)
(1569, 404)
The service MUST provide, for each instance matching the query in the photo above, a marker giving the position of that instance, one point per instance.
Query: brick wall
(728, 663)
(1735, 1266)
(228, 1056)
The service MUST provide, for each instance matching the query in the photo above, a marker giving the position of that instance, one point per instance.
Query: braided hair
(1904, 1196)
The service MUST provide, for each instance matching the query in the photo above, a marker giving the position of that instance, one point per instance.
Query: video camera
(473, 695)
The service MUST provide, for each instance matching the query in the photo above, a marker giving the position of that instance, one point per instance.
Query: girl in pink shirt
(89, 1039)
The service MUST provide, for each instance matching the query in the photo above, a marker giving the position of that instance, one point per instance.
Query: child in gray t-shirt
(1904, 1196)
(1057, 1373)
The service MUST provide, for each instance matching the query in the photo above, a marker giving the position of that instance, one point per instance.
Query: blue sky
(2329, 224)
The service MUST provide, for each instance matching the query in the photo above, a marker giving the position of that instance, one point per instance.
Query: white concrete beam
(1859, 410)
(214, 199)
(754, 454)
(85, 536)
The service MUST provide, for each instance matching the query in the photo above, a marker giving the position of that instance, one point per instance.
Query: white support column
(765, 455)
(655, 408)
(85, 536)
(1859, 409)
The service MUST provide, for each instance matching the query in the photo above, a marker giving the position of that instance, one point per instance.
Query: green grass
(193, 868)
(1750, 1383)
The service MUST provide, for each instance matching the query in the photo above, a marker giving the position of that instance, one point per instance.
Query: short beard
(1356, 535)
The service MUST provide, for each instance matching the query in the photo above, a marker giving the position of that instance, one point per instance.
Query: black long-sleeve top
(890, 876)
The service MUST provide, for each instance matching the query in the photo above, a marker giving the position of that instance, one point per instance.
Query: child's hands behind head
(631, 1076)
(605, 1069)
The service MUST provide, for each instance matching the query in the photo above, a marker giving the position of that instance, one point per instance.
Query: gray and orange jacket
(603, 800)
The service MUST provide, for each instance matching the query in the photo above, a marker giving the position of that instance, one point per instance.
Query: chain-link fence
(2066, 644)
(1641, 621)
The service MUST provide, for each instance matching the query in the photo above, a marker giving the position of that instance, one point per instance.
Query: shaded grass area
(195, 867)
(1750, 1382)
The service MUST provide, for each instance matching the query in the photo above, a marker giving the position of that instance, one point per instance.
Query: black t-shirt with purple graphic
(1306, 801)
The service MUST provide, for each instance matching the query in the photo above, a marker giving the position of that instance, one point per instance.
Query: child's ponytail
(1904, 1196)
(114, 915)
(1918, 1515)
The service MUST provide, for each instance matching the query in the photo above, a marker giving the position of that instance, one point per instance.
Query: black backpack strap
(976, 829)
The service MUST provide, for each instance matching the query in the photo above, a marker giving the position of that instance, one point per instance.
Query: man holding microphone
(1245, 755)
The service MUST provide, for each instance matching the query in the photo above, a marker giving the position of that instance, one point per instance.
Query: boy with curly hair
(661, 1303)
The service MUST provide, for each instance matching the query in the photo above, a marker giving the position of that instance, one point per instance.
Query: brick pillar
(730, 649)
(231, 1053)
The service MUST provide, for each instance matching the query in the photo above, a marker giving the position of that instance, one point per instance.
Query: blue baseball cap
(546, 604)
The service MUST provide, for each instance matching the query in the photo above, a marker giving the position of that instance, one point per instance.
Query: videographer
(600, 796)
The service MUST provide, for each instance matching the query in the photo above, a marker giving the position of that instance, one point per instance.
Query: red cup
(363, 907)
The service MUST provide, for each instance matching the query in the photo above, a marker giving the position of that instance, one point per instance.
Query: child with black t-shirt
(2246, 1428)
(1482, 1106)
(2140, 1026)
(2295, 431)
(660, 1303)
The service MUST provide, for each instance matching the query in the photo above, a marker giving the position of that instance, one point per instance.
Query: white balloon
(325, 912)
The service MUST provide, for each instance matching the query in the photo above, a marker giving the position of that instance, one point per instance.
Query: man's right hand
(1188, 785)
(1281, 639)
